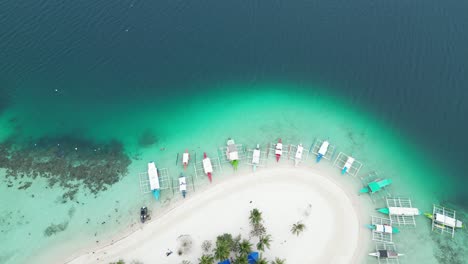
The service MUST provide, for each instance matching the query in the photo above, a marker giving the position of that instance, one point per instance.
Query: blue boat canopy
(252, 257)
(227, 261)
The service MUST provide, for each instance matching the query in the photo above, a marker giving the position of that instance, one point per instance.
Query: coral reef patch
(69, 162)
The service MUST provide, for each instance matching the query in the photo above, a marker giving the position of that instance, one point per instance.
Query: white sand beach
(331, 212)
(333, 234)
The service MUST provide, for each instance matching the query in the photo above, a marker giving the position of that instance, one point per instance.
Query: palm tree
(206, 259)
(222, 250)
(240, 260)
(297, 228)
(258, 230)
(261, 260)
(264, 241)
(245, 247)
(278, 261)
(255, 217)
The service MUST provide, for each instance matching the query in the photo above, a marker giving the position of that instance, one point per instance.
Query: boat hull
(209, 176)
(156, 194)
(319, 158)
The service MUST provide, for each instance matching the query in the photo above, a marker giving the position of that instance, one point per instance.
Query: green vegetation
(297, 228)
(237, 248)
(278, 261)
(264, 241)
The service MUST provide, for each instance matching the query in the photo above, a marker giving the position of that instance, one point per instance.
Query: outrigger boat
(232, 154)
(349, 162)
(278, 149)
(185, 159)
(256, 157)
(383, 228)
(376, 186)
(402, 211)
(182, 185)
(443, 221)
(298, 155)
(153, 180)
(386, 254)
(207, 167)
(322, 150)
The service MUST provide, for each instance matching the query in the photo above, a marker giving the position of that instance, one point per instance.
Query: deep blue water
(405, 61)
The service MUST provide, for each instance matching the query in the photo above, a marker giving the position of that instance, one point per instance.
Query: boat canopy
(232, 152)
(207, 167)
(182, 184)
(387, 254)
(256, 156)
(227, 261)
(279, 148)
(300, 148)
(383, 228)
(185, 158)
(377, 185)
(323, 148)
(349, 162)
(404, 211)
(448, 221)
(153, 176)
(252, 258)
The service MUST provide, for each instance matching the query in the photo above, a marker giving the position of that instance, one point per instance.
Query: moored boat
(322, 150)
(384, 228)
(376, 186)
(298, 156)
(185, 159)
(153, 180)
(207, 167)
(402, 211)
(444, 220)
(349, 162)
(182, 185)
(232, 154)
(279, 149)
(256, 157)
(385, 254)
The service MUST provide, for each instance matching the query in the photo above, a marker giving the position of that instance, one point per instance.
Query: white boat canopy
(153, 176)
(383, 228)
(448, 221)
(185, 158)
(324, 147)
(279, 148)
(403, 211)
(232, 152)
(256, 156)
(207, 167)
(182, 184)
(300, 148)
(349, 162)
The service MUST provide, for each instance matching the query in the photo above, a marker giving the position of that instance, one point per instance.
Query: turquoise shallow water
(251, 113)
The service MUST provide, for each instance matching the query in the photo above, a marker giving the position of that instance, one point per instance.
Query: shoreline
(322, 175)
